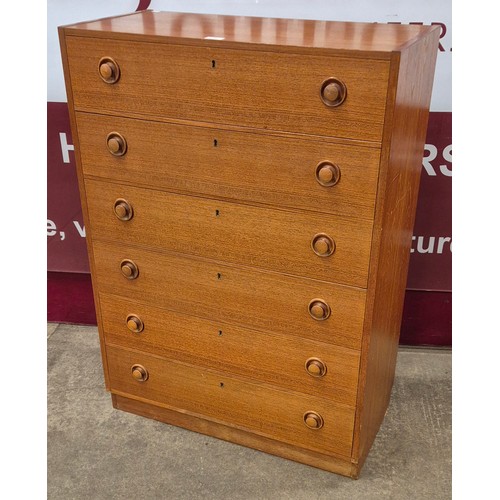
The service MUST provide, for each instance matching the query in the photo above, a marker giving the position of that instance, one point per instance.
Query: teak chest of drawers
(249, 190)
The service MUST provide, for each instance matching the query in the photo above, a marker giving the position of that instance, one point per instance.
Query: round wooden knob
(323, 245)
(129, 269)
(109, 70)
(123, 210)
(319, 309)
(327, 174)
(117, 145)
(333, 92)
(139, 373)
(134, 323)
(315, 367)
(313, 420)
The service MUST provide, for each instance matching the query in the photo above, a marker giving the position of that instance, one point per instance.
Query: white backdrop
(62, 12)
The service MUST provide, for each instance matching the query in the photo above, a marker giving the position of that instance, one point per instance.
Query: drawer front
(268, 90)
(258, 299)
(260, 409)
(301, 365)
(292, 242)
(257, 167)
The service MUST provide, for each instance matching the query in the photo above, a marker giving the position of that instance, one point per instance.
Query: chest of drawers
(249, 189)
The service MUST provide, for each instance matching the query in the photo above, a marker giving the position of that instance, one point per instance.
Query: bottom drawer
(260, 409)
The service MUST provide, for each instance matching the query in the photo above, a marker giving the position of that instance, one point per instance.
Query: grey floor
(96, 452)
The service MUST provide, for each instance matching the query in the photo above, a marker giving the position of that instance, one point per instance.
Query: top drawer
(240, 87)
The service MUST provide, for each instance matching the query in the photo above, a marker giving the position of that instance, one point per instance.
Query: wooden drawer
(262, 356)
(280, 240)
(263, 168)
(236, 402)
(262, 300)
(268, 90)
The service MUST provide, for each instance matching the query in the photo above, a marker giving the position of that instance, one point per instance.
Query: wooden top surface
(175, 27)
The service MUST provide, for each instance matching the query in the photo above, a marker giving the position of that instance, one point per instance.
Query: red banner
(430, 262)
(66, 249)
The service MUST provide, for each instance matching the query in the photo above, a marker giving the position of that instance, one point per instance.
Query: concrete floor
(96, 452)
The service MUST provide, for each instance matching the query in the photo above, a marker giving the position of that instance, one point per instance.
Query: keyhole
(213, 63)
(221, 385)
(217, 213)
(219, 276)
(215, 143)
(220, 333)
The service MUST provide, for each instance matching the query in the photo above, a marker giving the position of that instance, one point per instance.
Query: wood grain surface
(257, 167)
(246, 405)
(261, 356)
(244, 87)
(278, 240)
(332, 462)
(214, 290)
(374, 40)
(395, 215)
(219, 125)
